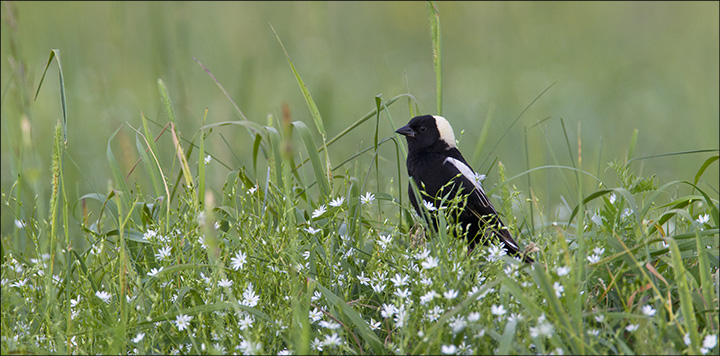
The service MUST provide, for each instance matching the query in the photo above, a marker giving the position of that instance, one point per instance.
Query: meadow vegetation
(310, 247)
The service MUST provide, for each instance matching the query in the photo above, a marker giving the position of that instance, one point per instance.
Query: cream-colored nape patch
(446, 131)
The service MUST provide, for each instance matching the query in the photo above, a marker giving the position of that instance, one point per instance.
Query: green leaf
(360, 324)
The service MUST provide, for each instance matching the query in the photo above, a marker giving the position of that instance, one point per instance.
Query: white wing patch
(446, 131)
(470, 175)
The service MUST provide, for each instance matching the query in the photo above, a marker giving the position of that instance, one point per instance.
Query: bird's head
(425, 131)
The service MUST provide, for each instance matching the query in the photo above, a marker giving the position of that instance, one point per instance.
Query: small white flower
(337, 202)
(710, 342)
(612, 198)
(367, 198)
(599, 251)
(597, 219)
(599, 318)
(593, 259)
(495, 252)
(451, 294)
(182, 321)
(225, 283)
(497, 310)
(19, 224)
(625, 213)
(559, 289)
(399, 281)
(593, 332)
(429, 206)
(686, 339)
(632, 327)
(402, 293)
(478, 178)
(238, 261)
(473, 317)
(250, 299)
(378, 287)
(329, 324)
(375, 325)
(315, 315)
(562, 271)
(208, 159)
(163, 253)
(319, 211)
(153, 272)
(703, 219)
(422, 255)
(251, 190)
(543, 329)
(430, 262)
(388, 310)
(332, 340)
(400, 316)
(312, 231)
(648, 310)
(448, 349)
(362, 279)
(149, 235)
(428, 297)
(104, 296)
(384, 240)
(138, 337)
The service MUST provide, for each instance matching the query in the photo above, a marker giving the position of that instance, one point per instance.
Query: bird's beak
(406, 130)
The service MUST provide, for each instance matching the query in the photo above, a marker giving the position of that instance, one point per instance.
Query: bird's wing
(478, 203)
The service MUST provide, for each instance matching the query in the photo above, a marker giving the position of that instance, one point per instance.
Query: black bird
(434, 162)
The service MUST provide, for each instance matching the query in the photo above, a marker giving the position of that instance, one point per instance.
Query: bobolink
(440, 171)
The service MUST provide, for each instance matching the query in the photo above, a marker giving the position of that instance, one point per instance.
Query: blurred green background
(616, 67)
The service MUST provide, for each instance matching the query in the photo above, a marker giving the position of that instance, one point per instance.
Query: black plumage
(433, 161)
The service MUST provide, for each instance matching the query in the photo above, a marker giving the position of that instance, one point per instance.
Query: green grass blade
(360, 324)
(435, 35)
(686, 303)
(704, 166)
(314, 158)
(55, 54)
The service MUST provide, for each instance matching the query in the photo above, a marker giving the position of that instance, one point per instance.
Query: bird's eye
(423, 128)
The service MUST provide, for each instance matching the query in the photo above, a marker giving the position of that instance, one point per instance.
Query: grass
(306, 253)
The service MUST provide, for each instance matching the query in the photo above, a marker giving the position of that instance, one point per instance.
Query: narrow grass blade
(686, 303)
(435, 36)
(360, 324)
(55, 53)
(201, 164)
(314, 157)
(184, 166)
(704, 166)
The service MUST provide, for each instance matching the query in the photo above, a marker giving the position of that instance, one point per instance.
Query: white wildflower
(448, 349)
(312, 230)
(238, 261)
(337, 202)
(430, 262)
(593, 259)
(451, 294)
(648, 310)
(163, 253)
(367, 198)
(104, 296)
(182, 321)
(632, 327)
(497, 310)
(319, 211)
(562, 271)
(429, 206)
